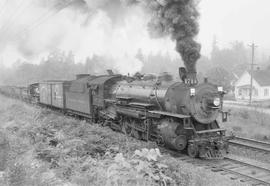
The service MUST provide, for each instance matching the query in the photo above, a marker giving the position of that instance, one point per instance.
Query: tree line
(221, 67)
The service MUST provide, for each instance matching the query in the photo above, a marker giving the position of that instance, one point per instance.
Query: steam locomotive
(179, 115)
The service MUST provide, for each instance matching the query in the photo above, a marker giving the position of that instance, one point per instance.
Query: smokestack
(188, 77)
(191, 78)
(178, 18)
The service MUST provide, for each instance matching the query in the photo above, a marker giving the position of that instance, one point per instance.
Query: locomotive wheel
(193, 151)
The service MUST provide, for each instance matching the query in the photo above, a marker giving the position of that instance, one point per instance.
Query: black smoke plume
(179, 19)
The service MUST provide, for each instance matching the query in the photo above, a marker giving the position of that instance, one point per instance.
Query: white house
(260, 88)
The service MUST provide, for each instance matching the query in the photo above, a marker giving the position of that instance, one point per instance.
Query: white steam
(35, 31)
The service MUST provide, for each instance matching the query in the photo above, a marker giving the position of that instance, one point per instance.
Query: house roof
(262, 77)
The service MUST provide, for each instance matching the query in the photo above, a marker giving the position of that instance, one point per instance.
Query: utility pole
(253, 46)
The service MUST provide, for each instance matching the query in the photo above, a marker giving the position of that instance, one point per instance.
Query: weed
(47, 148)
(244, 114)
(249, 123)
(16, 175)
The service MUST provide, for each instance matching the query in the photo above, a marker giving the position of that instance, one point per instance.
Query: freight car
(180, 116)
(29, 94)
(52, 93)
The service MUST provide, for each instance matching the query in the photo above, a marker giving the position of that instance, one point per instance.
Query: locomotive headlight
(216, 102)
(220, 89)
(192, 91)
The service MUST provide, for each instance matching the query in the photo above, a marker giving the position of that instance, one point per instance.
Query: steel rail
(223, 166)
(247, 164)
(253, 141)
(251, 144)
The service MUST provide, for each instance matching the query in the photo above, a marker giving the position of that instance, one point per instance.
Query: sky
(230, 20)
(227, 20)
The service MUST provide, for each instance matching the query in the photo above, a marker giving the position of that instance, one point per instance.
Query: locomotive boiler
(175, 114)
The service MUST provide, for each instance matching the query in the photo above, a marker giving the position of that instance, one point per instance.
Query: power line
(43, 18)
(13, 23)
(6, 27)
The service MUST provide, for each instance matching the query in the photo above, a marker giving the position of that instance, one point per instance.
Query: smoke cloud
(116, 28)
(179, 19)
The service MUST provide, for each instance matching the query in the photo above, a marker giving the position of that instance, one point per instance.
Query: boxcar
(52, 93)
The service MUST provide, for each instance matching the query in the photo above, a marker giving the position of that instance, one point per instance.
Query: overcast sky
(228, 20)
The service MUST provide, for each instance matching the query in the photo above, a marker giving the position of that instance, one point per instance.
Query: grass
(41, 147)
(249, 123)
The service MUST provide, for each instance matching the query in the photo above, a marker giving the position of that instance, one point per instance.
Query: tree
(229, 58)
(220, 76)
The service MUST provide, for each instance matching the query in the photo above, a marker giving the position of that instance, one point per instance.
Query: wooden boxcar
(52, 93)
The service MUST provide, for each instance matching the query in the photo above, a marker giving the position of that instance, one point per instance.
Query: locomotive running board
(210, 131)
(162, 113)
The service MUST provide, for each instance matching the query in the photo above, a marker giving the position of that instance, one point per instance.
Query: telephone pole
(253, 46)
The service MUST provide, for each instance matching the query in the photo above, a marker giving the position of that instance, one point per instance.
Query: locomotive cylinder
(171, 139)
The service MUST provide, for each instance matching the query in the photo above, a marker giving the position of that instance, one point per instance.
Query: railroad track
(251, 144)
(235, 169)
(244, 171)
(252, 173)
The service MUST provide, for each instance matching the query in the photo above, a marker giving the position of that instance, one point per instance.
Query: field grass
(44, 148)
(249, 123)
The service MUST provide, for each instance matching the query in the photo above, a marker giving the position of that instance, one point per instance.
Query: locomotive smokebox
(189, 78)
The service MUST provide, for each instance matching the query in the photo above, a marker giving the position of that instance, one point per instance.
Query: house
(260, 86)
